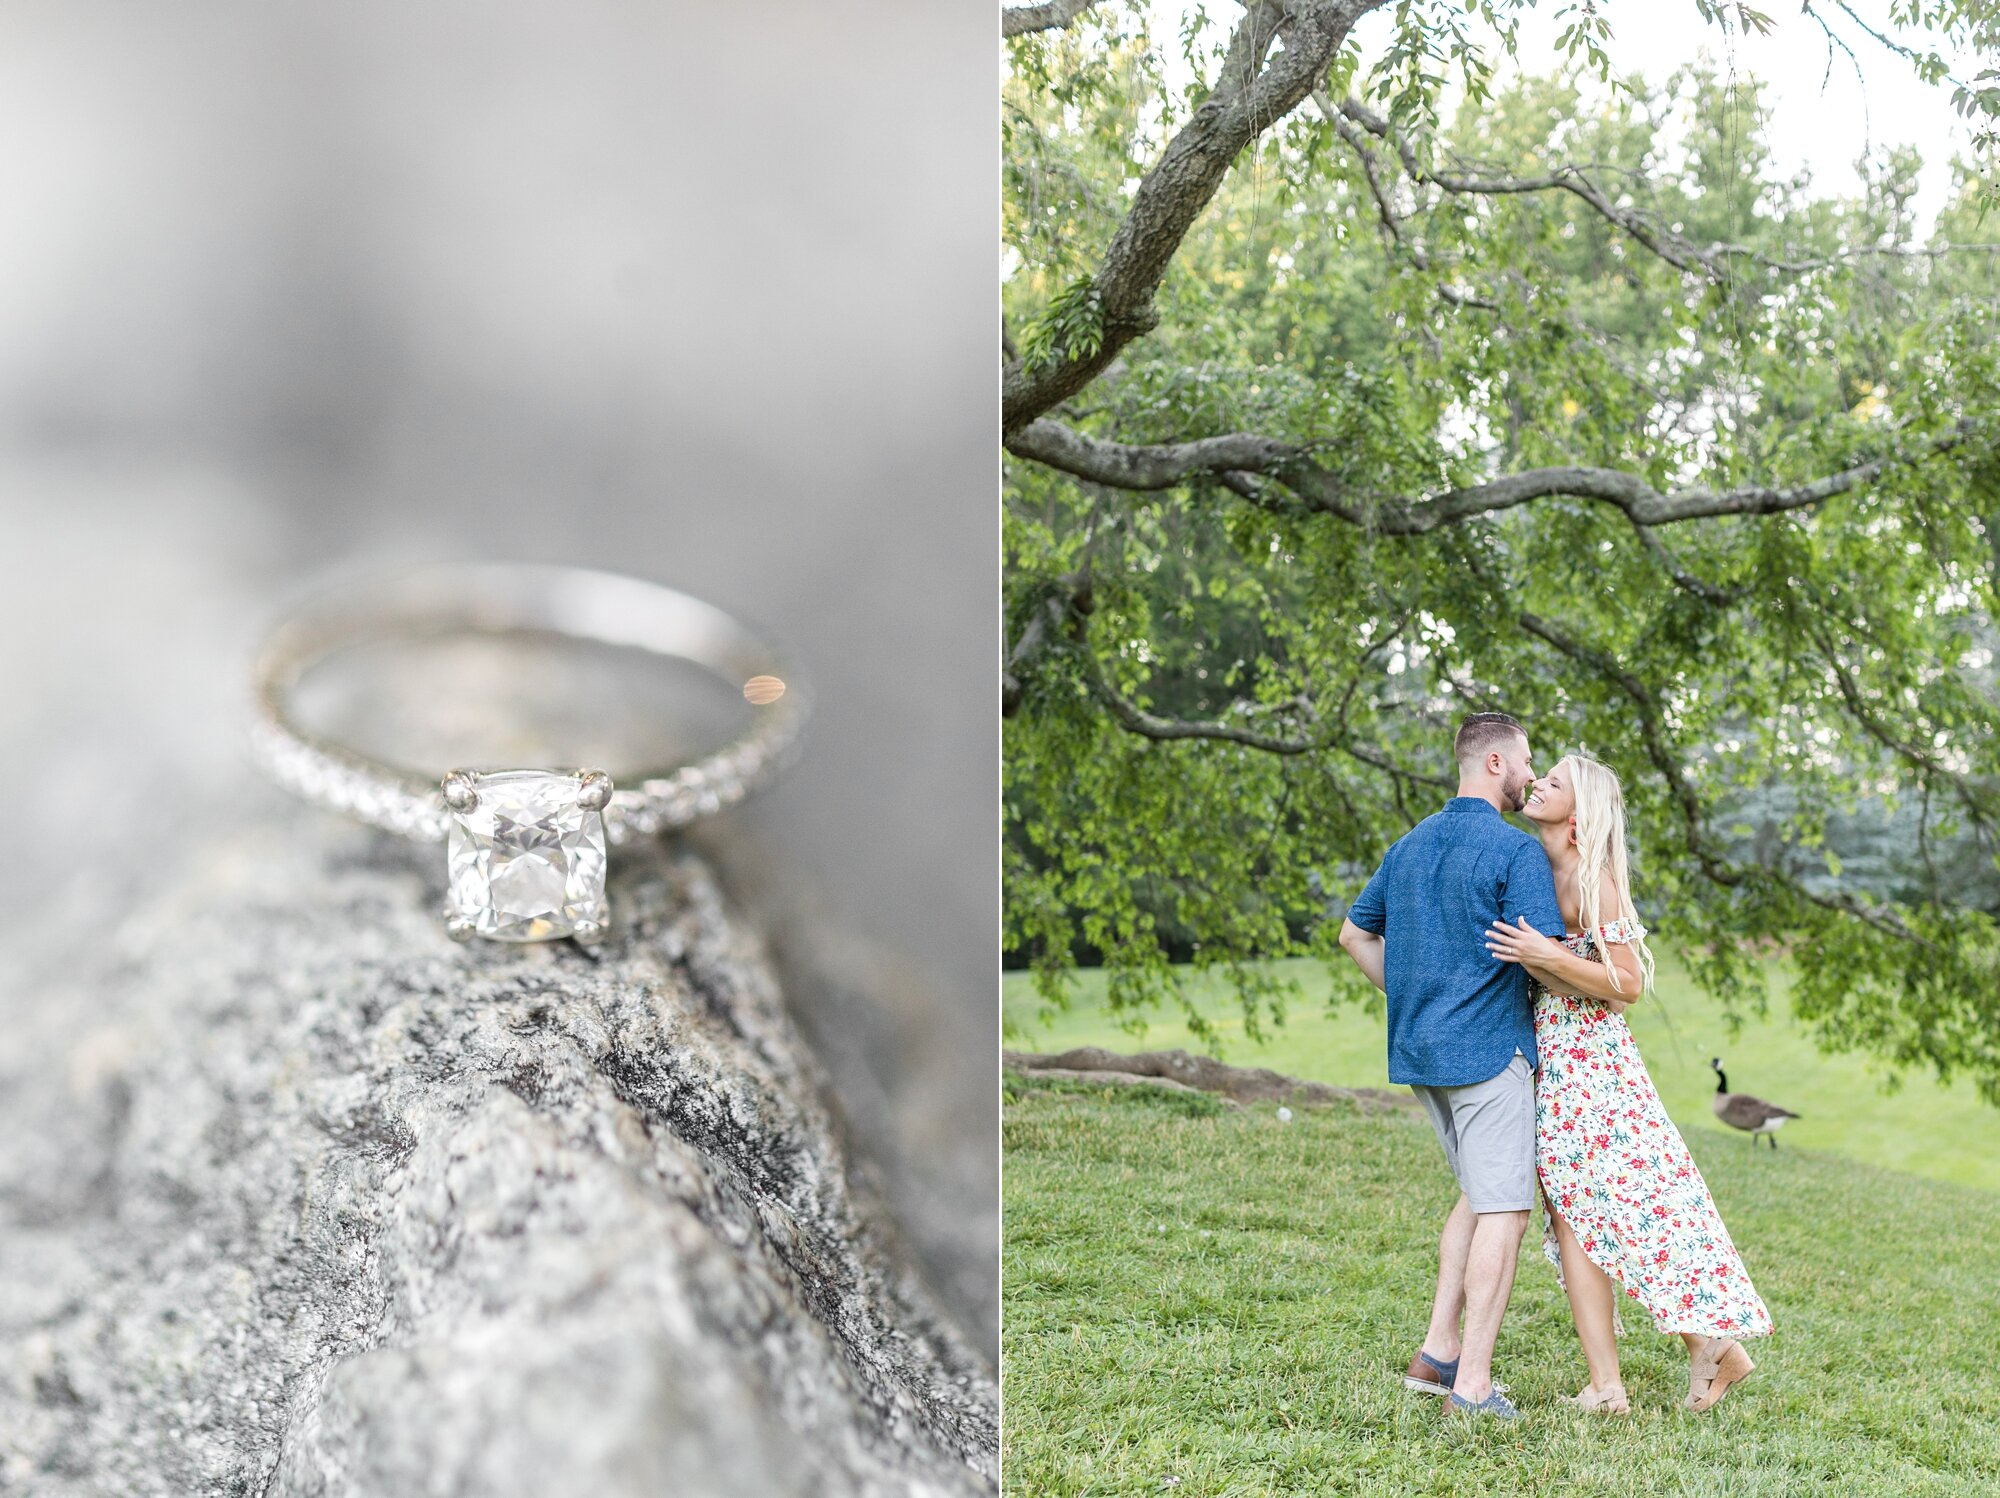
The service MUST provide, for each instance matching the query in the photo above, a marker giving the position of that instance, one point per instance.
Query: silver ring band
(572, 603)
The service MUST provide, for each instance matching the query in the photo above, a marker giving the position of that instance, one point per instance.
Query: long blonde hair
(1600, 845)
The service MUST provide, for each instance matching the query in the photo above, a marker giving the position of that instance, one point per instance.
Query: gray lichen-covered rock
(301, 1198)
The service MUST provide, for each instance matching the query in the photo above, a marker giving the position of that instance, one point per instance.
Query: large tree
(1334, 409)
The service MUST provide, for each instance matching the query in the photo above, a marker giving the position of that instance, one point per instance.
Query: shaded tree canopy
(1333, 411)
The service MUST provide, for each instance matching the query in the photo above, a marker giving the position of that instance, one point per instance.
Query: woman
(1622, 1202)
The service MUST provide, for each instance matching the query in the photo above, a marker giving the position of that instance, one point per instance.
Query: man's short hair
(1481, 733)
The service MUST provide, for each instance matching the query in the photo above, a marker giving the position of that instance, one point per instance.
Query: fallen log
(1177, 1068)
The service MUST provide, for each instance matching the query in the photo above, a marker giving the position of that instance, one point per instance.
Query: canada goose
(1741, 1111)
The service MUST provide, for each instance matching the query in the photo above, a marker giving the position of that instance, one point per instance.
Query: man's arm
(1530, 921)
(1361, 934)
(1613, 976)
(1368, 950)
(1530, 891)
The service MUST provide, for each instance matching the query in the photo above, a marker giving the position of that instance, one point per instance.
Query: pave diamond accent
(526, 863)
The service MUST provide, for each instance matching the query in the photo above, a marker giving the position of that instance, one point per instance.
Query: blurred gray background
(701, 292)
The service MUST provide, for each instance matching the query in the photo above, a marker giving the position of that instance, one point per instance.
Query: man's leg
(1494, 1122)
(1489, 1280)
(1442, 1340)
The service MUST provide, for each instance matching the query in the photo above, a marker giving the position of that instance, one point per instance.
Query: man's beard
(1517, 795)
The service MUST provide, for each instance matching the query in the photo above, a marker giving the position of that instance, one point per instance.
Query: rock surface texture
(301, 1198)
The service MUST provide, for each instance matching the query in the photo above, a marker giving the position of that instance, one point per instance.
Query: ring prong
(588, 933)
(459, 793)
(458, 927)
(595, 790)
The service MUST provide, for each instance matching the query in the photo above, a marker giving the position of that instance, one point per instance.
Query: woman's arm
(1561, 971)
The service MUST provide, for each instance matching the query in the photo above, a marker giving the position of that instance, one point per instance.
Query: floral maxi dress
(1613, 1164)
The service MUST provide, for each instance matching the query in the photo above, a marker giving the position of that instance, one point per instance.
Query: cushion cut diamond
(526, 862)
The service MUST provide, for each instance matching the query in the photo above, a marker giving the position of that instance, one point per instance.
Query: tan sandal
(1609, 1400)
(1720, 1363)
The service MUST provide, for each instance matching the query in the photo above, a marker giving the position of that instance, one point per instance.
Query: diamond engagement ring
(525, 847)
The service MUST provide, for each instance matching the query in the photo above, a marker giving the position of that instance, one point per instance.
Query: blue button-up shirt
(1457, 1013)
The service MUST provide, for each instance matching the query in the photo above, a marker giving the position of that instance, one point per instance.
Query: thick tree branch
(1251, 95)
(1125, 466)
(1019, 20)
(1135, 719)
(1150, 725)
(1162, 466)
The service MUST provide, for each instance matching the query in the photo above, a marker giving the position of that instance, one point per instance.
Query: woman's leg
(1591, 1302)
(1709, 1378)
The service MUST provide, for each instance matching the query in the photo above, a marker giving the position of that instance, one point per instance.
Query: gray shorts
(1488, 1133)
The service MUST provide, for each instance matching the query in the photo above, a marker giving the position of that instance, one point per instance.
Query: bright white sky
(1822, 122)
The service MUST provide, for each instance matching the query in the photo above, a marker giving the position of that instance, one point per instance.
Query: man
(1462, 1035)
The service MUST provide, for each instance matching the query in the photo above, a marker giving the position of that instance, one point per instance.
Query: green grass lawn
(1945, 1133)
(1215, 1303)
